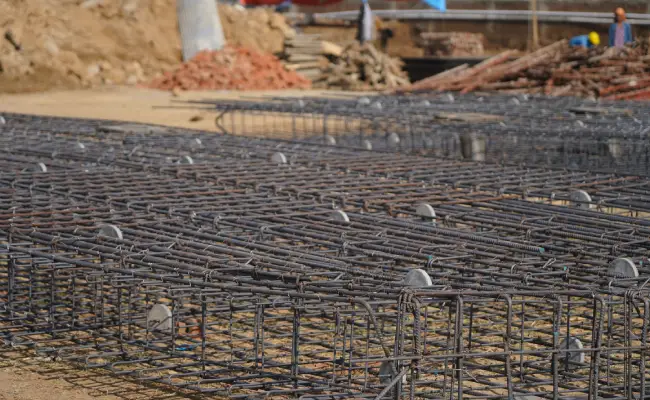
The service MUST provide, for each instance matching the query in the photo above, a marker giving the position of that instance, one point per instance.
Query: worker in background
(620, 32)
(283, 7)
(385, 33)
(587, 41)
(365, 23)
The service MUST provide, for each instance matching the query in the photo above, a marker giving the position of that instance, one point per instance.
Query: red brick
(231, 68)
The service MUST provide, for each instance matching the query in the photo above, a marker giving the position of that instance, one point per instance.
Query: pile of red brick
(232, 68)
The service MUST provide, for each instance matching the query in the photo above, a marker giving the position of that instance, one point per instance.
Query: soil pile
(69, 44)
(233, 68)
(257, 29)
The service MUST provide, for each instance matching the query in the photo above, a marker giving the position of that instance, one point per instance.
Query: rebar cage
(254, 268)
(534, 131)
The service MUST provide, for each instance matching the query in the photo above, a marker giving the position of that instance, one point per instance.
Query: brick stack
(232, 68)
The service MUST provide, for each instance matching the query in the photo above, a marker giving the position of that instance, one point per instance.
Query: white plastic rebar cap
(279, 158)
(110, 230)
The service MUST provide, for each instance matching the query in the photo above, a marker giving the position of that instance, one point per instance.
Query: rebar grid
(288, 279)
(292, 342)
(522, 130)
(229, 159)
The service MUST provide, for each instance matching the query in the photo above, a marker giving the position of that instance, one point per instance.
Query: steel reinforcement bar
(256, 268)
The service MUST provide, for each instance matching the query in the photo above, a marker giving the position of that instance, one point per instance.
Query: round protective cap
(39, 167)
(338, 215)
(279, 158)
(393, 139)
(425, 210)
(572, 344)
(580, 199)
(196, 143)
(159, 318)
(330, 141)
(109, 230)
(448, 98)
(186, 160)
(363, 101)
(614, 147)
(623, 268)
(417, 278)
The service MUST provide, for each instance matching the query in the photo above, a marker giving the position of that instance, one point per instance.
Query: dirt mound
(233, 68)
(71, 44)
(257, 29)
(68, 44)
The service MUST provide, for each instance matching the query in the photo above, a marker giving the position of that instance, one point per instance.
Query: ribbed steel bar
(240, 273)
(535, 131)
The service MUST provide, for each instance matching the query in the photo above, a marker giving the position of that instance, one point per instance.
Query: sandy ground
(137, 104)
(23, 377)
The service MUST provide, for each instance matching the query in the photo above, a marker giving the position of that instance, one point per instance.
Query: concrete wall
(637, 6)
(514, 35)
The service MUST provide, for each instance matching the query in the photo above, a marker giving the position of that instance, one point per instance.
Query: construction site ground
(137, 104)
(25, 377)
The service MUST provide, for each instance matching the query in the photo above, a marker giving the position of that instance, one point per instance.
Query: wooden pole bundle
(554, 70)
(362, 67)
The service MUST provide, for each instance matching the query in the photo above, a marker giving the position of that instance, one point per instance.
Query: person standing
(365, 23)
(385, 33)
(283, 7)
(620, 32)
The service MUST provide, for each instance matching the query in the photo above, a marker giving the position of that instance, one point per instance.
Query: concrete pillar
(200, 26)
(542, 5)
(491, 6)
